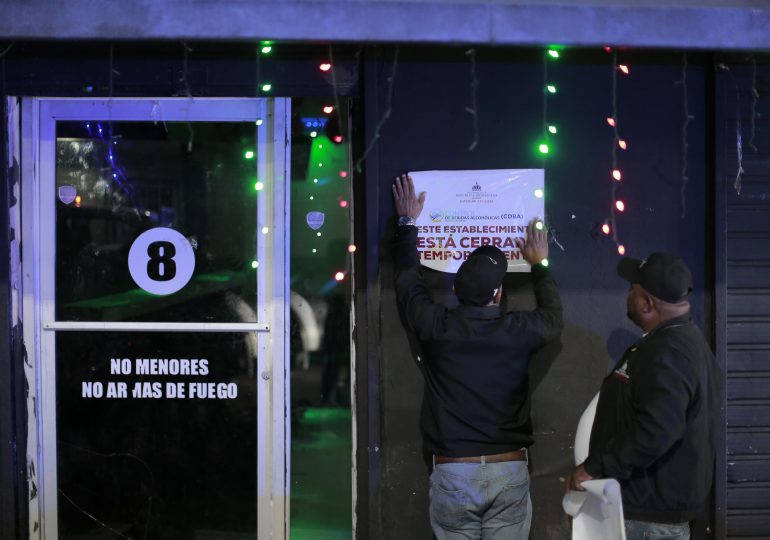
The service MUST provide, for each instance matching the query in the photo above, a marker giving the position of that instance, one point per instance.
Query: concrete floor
(321, 472)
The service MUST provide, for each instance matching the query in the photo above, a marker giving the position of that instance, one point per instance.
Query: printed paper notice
(467, 209)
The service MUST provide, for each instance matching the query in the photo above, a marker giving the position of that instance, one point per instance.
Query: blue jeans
(647, 530)
(472, 501)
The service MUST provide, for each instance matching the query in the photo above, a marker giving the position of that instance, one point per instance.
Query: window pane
(156, 435)
(117, 180)
(320, 324)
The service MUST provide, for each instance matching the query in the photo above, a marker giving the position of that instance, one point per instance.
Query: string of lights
(327, 129)
(265, 48)
(609, 227)
(328, 109)
(549, 130)
(549, 89)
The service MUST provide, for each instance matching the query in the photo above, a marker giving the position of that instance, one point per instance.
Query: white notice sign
(468, 209)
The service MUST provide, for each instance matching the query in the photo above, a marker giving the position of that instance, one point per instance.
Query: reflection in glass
(115, 180)
(321, 491)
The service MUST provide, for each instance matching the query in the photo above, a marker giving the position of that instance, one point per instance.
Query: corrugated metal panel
(747, 442)
(749, 332)
(747, 360)
(746, 303)
(747, 526)
(748, 469)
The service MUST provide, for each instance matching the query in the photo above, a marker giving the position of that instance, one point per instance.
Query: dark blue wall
(430, 129)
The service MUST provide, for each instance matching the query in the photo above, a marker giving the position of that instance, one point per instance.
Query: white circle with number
(161, 261)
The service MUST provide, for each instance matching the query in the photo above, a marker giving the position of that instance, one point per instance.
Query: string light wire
(473, 109)
(737, 183)
(385, 116)
(615, 139)
(686, 122)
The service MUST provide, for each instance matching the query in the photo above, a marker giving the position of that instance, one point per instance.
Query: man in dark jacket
(657, 418)
(474, 359)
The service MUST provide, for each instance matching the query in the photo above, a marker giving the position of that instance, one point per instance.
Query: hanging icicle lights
(609, 227)
(551, 54)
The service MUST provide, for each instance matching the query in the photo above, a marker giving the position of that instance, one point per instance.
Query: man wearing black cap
(657, 418)
(474, 358)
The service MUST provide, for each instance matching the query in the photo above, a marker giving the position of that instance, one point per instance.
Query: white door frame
(38, 133)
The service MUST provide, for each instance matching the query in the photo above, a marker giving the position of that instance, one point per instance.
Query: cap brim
(628, 269)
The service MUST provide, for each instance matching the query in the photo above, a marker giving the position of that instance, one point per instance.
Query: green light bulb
(553, 129)
(551, 89)
(267, 87)
(544, 262)
(543, 148)
(553, 53)
(539, 193)
(266, 49)
(248, 154)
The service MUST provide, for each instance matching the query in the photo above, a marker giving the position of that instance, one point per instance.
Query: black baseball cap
(663, 275)
(479, 275)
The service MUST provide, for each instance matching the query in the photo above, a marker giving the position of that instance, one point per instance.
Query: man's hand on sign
(407, 202)
(535, 248)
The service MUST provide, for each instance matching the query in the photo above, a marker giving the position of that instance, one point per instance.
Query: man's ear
(649, 303)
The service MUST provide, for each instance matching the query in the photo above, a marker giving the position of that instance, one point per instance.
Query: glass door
(156, 316)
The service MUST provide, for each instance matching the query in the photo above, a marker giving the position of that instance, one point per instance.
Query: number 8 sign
(161, 261)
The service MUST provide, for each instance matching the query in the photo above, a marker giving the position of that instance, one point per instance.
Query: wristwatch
(406, 220)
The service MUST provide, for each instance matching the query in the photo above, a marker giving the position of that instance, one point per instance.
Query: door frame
(272, 117)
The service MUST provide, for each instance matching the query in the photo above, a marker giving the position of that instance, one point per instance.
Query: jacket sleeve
(421, 314)
(663, 389)
(545, 322)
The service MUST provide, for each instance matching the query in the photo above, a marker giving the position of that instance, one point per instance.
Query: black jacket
(474, 360)
(656, 424)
